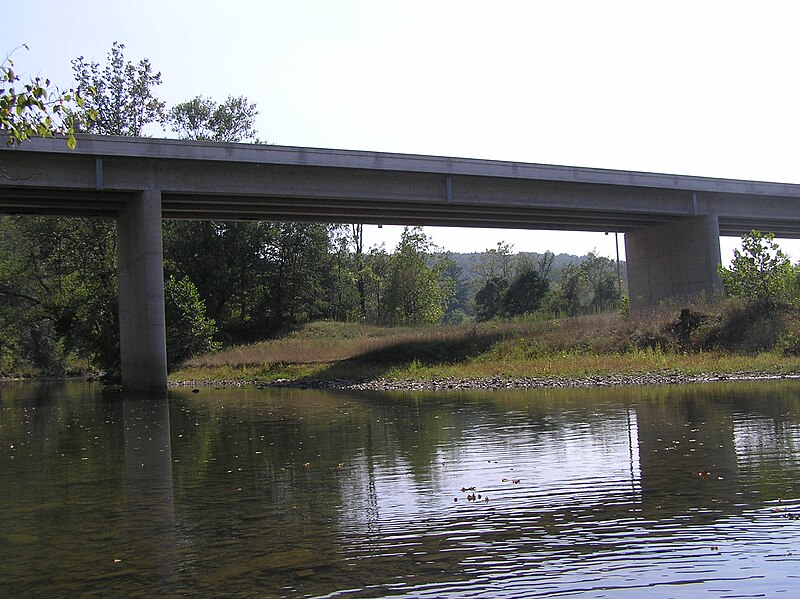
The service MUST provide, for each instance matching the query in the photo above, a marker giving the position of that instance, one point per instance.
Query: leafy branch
(31, 110)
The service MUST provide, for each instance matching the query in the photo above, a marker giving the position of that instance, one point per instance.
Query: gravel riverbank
(495, 383)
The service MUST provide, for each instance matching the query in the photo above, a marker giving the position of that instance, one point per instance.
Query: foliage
(488, 298)
(33, 111)
(495, 263)
(376, 274)
(624, 307)
(760, 272)
(459, 304)
(120, 96)
(524, 294)
(600, 276)
(587, 287)
(416, 292)
(189, 331)
(201, 118)
(58, 286)
(226, 261)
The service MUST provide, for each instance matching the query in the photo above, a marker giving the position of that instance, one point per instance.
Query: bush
(760, 273)
(189, 331)
(743, 326)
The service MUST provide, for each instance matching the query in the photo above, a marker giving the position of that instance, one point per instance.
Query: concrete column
(142, 330)
(673, 261)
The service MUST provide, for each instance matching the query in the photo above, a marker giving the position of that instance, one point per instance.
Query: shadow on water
(309, 493)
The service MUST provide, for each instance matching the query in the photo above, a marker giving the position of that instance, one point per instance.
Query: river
(674, 491)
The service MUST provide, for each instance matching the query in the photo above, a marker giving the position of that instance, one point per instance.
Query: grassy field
(603, 345)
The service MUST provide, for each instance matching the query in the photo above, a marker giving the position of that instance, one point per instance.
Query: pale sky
(706, 88)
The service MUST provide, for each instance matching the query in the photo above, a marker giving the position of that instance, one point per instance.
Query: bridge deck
(207, 180)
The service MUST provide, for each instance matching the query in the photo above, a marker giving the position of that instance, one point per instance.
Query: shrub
(189, 331)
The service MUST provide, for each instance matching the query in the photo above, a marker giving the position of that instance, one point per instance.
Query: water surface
(664, 491)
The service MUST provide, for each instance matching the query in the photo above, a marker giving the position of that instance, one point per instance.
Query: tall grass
(596, 344)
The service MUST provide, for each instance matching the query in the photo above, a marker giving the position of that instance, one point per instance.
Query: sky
(706, 88)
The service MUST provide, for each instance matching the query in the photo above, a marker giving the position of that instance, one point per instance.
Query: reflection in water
(85, 493)
(149, 511)
(676, 490)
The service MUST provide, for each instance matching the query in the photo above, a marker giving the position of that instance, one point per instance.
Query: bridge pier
(140, 270)
(674, 260)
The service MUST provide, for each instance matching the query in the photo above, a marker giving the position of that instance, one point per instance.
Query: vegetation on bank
(756, 329)
(573, 347)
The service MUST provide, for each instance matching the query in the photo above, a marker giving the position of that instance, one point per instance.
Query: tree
(416, 292)
(760, 272)
(298, 273)
(495, 262)
(226, 261)
(32, 110)
(571, 289)
(120, 96)
(459, 307)
(487, 299)
(358, 250)
(376, 277)
(189, 330)
(201, 118)
(58, 281)
(524, 295)
(599, 274)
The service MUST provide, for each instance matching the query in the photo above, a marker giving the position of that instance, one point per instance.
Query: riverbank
(604, 350)
(491, 384)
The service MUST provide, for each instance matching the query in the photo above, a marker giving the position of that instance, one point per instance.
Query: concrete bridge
(671, 223)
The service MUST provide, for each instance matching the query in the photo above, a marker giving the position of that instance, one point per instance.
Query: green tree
(599, 275)
(202, 118)
(495, 263)
(376, 276)
(62, 271)
(226, 263)
(58, 283)
(488, 297)
(32, 110)
(416, 291)
(189, 330)
(524, 294)
(120, 96)
(571, 289)
(225, 260)
(299, 273)
(760, 272)
(460, 306)
(588, 286)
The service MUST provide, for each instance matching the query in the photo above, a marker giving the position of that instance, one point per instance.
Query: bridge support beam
(142, 330)
(673, 261)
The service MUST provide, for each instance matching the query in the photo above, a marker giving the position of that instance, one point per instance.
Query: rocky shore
(494, 383)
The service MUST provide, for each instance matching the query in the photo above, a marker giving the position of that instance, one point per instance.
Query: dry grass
(327, 342)
(602, 344)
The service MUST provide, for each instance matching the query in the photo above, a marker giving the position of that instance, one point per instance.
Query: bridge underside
(671, 224)
(228, 207)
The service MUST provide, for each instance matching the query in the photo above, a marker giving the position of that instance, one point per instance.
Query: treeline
(229, 283)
